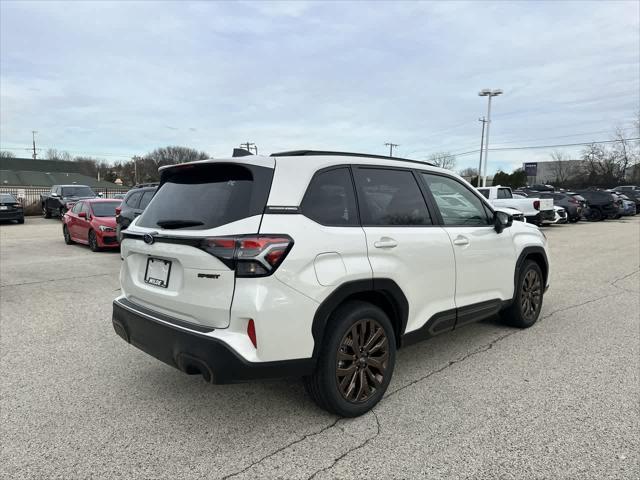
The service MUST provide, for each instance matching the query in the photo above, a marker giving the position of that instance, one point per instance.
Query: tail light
(118, 211)
(573, 200)
(536, 204)
(249, 255)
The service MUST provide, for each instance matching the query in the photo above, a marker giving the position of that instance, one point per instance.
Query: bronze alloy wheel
(362, 361)
(531, 295)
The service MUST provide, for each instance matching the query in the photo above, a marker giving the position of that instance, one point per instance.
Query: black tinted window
(390, 197)
(207, 196)
(133, 200)
(105, 209)
(484, 192)
(146, 198)
(457, 204)
(330, 199)
(7, 198)
(504, 193)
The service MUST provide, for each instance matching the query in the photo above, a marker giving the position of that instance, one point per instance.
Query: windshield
(105, 209)
(77, 192)
(7, 198)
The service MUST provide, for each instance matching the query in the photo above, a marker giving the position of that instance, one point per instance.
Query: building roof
(27, 172)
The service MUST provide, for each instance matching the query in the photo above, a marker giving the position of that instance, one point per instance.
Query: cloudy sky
(114, 79)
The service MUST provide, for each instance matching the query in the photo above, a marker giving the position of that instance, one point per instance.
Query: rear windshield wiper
(178, 223)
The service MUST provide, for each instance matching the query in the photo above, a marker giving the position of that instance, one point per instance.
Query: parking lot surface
(559, 400)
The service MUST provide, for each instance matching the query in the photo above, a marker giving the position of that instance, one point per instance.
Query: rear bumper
(11, 215)
(193, 352)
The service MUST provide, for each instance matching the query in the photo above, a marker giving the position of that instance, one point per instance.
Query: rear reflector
(249, 255)
(251, 332)
(536, 204)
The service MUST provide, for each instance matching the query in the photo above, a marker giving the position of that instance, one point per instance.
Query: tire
(596, 215)
(366, 376)
(93, 241)
(527, 301)
(46, 213)
(21, 221)
(66, 235)
(62, 212)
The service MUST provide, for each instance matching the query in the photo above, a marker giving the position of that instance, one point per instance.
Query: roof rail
(311, 153)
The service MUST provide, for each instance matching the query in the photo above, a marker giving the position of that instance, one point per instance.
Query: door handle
(461, 241)
(385, 242)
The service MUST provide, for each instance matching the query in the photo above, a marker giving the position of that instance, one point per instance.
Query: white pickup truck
(535, 210)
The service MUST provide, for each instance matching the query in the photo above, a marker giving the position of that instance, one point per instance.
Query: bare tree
(624, 151)
(6, 154)
(469, 172)
(561, 168)
(53, 154)
(443, 160)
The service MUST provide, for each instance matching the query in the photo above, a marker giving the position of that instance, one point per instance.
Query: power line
(533, 147)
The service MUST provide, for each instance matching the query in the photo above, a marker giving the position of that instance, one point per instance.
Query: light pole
(487, 92)
(484, 122)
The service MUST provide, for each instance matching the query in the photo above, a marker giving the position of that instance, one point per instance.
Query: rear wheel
(46, 213)
(62, 212)
(67, 235)
(596, 215)
(20, 221)
(356, 360)
(527, 302)
(93, 241)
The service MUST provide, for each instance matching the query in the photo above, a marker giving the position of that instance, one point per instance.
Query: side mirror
(55, 195)
(100, 194)
(118, 210)
(502, 220)
(82, 214)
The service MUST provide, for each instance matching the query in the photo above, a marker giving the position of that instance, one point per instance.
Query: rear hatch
(546, 204)
(178, 255)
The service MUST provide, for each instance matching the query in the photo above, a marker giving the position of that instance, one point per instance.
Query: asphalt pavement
(559, 400)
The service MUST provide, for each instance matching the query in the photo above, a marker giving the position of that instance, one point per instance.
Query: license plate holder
(157, 272)
(3, 207)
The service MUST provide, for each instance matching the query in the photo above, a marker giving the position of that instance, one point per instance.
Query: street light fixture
(487, 92)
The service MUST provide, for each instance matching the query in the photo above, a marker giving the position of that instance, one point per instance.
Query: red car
(92, 222)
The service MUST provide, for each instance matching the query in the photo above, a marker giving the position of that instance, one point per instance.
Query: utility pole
(487, 92)
(484, 121)
(249, 146)
(33, 137)
(391, 147)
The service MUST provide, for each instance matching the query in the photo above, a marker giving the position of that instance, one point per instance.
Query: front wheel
(93, 241)
(527, 302)
(66, 235)
(46, 213)
(356, 360)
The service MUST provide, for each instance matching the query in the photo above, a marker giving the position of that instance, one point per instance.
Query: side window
(134, 199)
(390, 197)
(146, 198)
(504, 193)
(484, 192)
(86, 208)
(330, 199)
(468, 208)
(77, 207)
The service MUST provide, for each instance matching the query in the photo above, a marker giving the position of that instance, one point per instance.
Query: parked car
(627, 188)
(62, 197)
(517, 215)
(251, 267)
(133, 204)
(118, 196)
(10, 208)
(601, 204)
(569, 202)
(539, 187)
(628, 205)
(560, 215)
(92, 222)
(535, 210)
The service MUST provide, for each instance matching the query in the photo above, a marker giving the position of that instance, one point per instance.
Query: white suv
(318, 265)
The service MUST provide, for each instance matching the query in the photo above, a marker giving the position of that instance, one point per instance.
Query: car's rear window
(7, 198)
(207, 196)
(105, 209)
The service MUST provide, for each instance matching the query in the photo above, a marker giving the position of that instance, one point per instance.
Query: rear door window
(484, 192)
(504, 193)
(133, 200)
(146, 198)
(207, 196)
(390, 198)
(330, 199)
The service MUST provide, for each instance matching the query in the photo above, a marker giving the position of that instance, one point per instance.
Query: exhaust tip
(194, 366)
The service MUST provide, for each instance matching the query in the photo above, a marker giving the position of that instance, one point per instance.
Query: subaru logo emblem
(148, 238)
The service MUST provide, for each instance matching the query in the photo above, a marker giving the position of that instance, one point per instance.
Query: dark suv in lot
(601, 204)
(133, 205)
